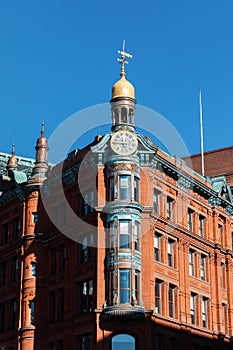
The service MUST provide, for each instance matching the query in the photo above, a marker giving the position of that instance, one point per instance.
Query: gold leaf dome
(123, 88)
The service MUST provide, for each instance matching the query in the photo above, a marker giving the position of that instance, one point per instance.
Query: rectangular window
(16, 228)
(5, 233)
(12, 315)
(31, 311)
(54, 260)
(86, 296)
(201, 225)
(125, 286)
(60, 304)
(85, 204)
(170, 252)
(204, 304)
(52, 307)
(62, 257)
(111, 196)
(224, 317)
(169, 208)
(193, 308)
(203, 267)
(174, 343)
(157, 238)
(3, 273)
(159, 342)
(88, 203)
(15, 270)
(86, 248)
(158, 296)
(136, 234)
(191, 262)
(85, 342)
(190, 220)
(60, 345)
(171, 300)
(124, 187)
(2, 318)
(137, 284)
(156, 201)
(136, 189)
(125, 234)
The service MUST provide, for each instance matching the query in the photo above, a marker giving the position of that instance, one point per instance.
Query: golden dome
(123, 88)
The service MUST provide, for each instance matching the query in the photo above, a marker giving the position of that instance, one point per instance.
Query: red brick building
(138, 258)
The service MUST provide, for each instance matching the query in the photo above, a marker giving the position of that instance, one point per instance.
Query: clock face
(124, 142)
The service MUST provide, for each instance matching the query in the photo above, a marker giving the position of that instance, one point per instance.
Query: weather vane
(122, 60)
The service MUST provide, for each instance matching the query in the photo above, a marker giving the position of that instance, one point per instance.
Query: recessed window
(203, 267)
(124, 234)
(190, 220)
(157, 238)
(158, 296)
(204, 306)
(85, 342)
(170, 252)
(156, 201)
(193, 308)
(136, 189)
(191, 262)
(124, 187)
(171, 300)
(201, 225)
(31, 312)
(125, 286)
(86, 248)
(169, 205)
(86, 296)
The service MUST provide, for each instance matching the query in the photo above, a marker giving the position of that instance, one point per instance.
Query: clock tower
(123, 208)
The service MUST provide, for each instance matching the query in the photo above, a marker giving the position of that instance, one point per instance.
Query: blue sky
(58, 57)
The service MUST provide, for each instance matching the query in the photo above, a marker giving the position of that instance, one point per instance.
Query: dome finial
(42, 128)
(13, 149)
(122, 60)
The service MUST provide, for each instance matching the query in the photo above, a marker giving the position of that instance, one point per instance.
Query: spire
(122, 60)
(12, 163)
(41, 164)
(123, 88)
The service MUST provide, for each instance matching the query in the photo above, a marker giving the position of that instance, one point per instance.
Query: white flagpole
(201, 135)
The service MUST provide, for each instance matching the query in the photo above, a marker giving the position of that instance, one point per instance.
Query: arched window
(123, 341)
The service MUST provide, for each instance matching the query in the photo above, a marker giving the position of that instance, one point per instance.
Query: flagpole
(201, 135)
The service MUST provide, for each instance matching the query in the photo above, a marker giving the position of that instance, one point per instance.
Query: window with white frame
(204, 313)
(157, 239)
(193, 308)
(191, 256)
(203, 267)
(170, 252)
(201, 225)
(125, 238)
